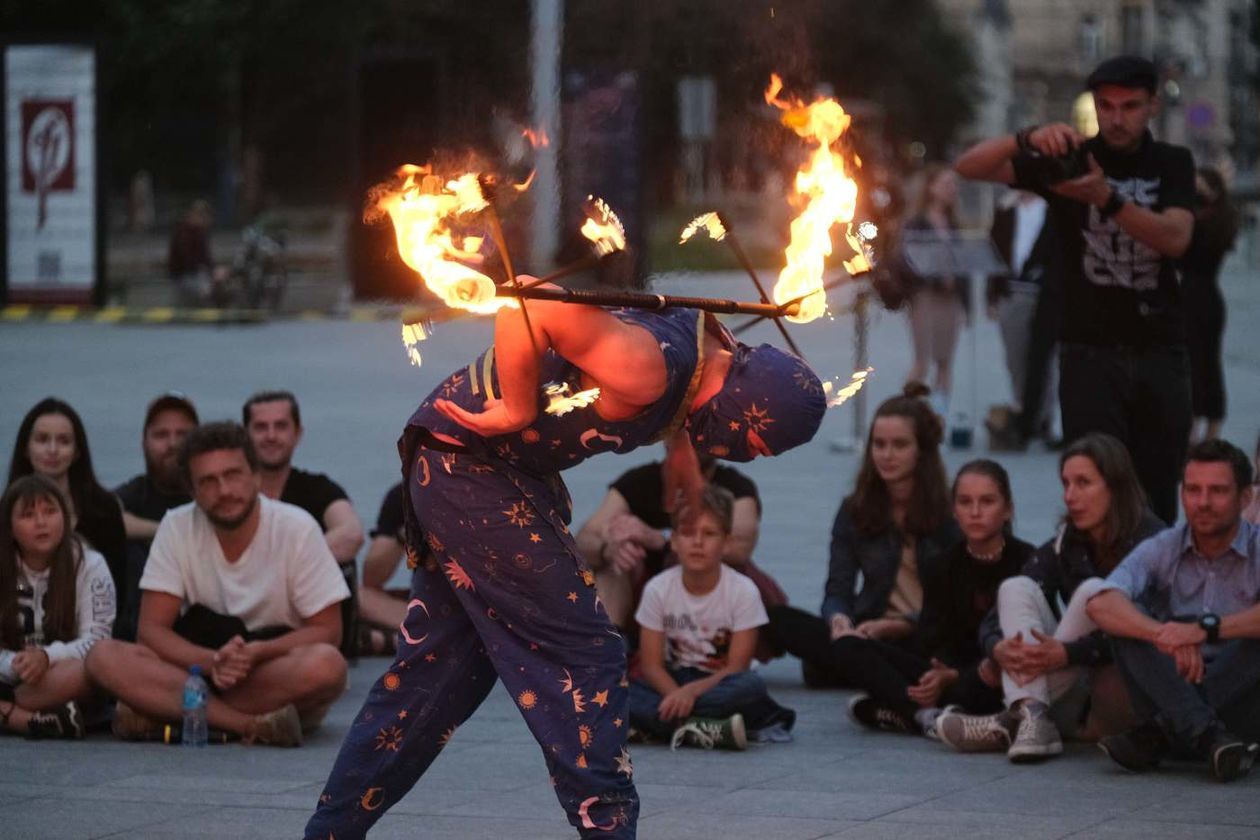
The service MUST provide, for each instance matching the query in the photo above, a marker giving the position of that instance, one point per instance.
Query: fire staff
(505, 593)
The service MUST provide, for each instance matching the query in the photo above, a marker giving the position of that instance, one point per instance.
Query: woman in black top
(889, 533)
(945, 665)
(52, 442)
(1215, 228)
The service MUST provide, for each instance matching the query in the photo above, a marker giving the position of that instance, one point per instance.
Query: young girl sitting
(699, 623)
(56, 601)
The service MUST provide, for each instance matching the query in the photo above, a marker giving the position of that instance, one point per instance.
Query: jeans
(1141, 397)
(744, 693)
(1229, 693)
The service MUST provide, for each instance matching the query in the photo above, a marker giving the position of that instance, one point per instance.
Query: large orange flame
(423, 208)
(829, 193)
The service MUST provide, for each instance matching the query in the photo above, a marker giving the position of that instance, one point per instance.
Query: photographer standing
(1121, 203)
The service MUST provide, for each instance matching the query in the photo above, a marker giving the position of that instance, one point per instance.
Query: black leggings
(882, 669)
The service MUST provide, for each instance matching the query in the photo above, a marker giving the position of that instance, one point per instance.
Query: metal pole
(546, 32)
(859, 363)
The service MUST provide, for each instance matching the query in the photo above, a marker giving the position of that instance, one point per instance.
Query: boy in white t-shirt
(242, 586)
(699, 623)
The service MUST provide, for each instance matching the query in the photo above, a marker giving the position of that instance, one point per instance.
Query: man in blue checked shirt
(1183, 614)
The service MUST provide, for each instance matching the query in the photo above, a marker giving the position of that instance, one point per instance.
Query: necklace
(988, 558)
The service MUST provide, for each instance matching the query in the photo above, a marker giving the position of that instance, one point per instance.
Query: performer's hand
(494, 420)
(683, 480)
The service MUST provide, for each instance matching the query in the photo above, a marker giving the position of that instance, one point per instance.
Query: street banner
(50, 175)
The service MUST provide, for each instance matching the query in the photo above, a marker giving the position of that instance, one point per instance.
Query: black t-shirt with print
(1116, 290)
(312, 492)
(390, 521)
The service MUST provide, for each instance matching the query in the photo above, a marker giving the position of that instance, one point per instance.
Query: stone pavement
(834, 780)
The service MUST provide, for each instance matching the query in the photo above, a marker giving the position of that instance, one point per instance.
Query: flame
(603, 227)
(855, 383)
(711, 223)
(830, 196)
(537, 137)
(561, 402)
(423, 209)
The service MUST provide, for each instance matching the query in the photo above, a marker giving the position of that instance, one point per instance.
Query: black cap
(171, 400)
(1128, 71)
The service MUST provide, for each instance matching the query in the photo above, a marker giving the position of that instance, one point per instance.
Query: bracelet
(1021, 139)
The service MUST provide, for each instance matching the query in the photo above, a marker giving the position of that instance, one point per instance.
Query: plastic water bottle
(196, 729)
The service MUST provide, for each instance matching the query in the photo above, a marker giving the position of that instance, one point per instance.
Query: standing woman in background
(1215, 228)
(53, 443)
(936, 300)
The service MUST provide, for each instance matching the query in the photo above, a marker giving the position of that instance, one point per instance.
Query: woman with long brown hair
(1044, 653)
(893, 530)
(52, 442)
(56, 602)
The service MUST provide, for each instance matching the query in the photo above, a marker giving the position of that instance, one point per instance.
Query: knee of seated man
(322, 667)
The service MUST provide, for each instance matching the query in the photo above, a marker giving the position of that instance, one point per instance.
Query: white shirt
(1030, 217)
(698, 628)
(95, 605)
(286, 574)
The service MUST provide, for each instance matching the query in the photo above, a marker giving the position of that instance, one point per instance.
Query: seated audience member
(1252, 512)
(274, 423)
(698, 623)
(626, 540)
(906, 689)
(1044, 652)
(893, 530)
(382, 610)
(56, 602)
(1183, 613)
(241, 585)
(52, 442)
(147, 497)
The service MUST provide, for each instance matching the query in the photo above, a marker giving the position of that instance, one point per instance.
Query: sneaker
(868, 712)
(1230, 757)
(1138, 749)
(64, 722)
(281, 728)
(977, 733)
(1036, 736)
(130, 725)
(711, 733)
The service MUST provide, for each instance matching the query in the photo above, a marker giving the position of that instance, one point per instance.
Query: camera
(1049, 170)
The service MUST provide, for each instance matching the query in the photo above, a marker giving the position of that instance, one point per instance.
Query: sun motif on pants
(519, 514)
(527, 699)
(585, 736)
(389, 738)
(391, 681)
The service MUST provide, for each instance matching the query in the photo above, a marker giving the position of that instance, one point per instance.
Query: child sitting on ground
(699, 623)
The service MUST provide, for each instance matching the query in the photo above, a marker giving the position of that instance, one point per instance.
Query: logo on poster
(47, 150)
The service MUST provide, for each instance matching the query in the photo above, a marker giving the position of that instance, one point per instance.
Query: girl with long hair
(52, 442)
(936, 301)
(1044, 653)
(1215, 229)
(905, 690)
(892, 529)
(56, 601)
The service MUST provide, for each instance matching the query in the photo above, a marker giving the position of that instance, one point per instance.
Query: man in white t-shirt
(699, 623)
(242, 586)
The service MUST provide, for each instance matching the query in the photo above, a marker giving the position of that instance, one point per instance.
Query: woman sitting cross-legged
(891, 532)
(905, 689)
(56, 602)
(1044, 652)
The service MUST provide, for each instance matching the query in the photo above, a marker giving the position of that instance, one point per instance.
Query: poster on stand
(51, 209)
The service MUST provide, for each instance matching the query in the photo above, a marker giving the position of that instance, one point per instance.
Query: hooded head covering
(768, 391)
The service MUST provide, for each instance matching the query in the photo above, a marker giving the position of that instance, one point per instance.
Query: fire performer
(508, 595)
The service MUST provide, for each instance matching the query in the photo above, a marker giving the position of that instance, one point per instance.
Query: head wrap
(768, 391)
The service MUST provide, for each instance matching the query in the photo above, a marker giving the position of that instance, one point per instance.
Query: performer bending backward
(509, 595)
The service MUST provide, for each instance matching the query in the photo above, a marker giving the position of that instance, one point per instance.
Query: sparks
(560, 401)
(710, 222)
(412, 335)
(603, 227)
(855, 383)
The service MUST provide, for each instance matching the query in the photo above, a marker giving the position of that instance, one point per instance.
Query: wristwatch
(1114, 202)
(1211, 624)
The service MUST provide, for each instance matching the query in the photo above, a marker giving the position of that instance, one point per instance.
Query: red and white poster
(50, 173)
